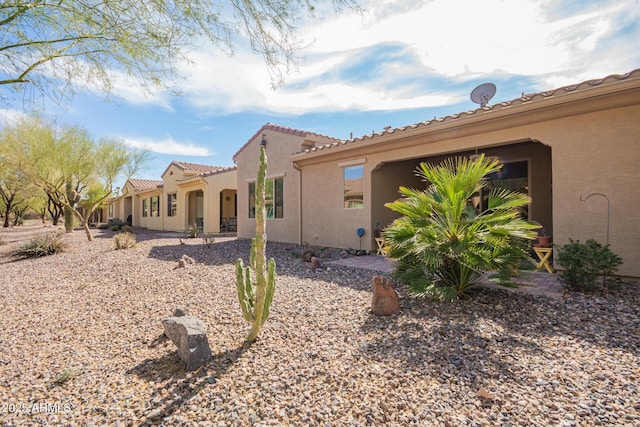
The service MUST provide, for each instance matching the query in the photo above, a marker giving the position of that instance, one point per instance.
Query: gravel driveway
(81, 344)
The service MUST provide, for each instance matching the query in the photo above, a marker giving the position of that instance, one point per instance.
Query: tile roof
(283, 129)
(195, 166)
(218, 170)
(144, 184)
(523, 100)
(192, 167)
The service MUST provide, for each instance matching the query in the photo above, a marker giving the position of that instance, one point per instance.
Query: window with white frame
(145, 207)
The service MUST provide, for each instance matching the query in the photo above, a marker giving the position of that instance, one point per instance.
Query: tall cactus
(255, 297)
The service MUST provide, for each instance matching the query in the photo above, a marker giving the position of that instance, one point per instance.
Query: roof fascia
(527, 112)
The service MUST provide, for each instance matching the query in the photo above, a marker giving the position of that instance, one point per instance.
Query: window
(354, 187)
(513, 176)
(172, 204)
(252, 200)
(273, 198)
(155, 206)
(145, 207)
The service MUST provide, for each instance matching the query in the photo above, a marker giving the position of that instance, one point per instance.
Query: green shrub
(43, 245)
(125, 240)
(126, 228)
(208, 240)
(114, 224)
(64, 376)
(584, 262)
(443, 245)
(191, 231)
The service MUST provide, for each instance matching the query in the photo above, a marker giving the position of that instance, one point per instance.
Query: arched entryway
(195, 209)
(229, 210)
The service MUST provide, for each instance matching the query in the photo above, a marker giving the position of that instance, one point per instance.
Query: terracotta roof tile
(144, 184)
(286, 130)
(218, 170)
(195, 166)
(524, 99)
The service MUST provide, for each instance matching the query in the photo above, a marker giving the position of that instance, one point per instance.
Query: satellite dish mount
(483, 93)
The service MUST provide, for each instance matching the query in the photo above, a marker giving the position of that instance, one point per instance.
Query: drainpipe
(296, 167)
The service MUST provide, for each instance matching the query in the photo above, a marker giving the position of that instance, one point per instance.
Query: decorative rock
(188, 260)
(385, 300)
(180, 312)
(307, 255)
(315, 263)
(484, 394)
(189, 335)
(181, 264)
(344, 254)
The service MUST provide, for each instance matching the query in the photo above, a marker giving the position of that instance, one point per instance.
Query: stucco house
(559, 146)
(189, 194)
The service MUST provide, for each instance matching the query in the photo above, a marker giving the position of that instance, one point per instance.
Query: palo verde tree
(15, 191)
(443, 244)
(50, 44)
(67, 163)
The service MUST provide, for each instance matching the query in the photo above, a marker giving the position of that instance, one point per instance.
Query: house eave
(494, 117)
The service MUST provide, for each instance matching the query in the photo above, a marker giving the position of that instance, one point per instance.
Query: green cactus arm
(249, 287)
(271, 286)
(242, 293)
(259, 296)
(252, 254)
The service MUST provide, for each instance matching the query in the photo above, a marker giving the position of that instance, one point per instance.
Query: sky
(400, 62)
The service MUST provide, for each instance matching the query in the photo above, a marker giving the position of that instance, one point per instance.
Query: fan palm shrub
(443, 244)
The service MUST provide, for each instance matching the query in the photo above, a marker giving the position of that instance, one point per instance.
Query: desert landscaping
(82, 345)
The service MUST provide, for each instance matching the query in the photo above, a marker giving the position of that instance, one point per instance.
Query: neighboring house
(284, 197)
(558, 146)
(189, 194)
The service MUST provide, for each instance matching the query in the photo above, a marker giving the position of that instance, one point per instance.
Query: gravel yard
(81, 344)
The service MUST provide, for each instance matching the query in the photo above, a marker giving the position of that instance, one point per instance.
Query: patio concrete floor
(532, 282)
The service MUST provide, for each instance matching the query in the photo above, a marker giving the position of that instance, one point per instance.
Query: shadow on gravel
(450, 346)
(181, 386)
(480, 337)
(287, 257)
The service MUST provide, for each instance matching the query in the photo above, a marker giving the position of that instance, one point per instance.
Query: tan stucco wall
(279, 148)
(595, 147)
(169, 178)
(155, 222)
(211, 187)
(215, 185)
(600, 154)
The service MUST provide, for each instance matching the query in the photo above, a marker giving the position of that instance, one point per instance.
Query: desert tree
(14, 191)
(69, 164)
(53, 45)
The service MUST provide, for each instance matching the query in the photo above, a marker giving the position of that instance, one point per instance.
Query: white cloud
(10, 117)
(453, 40)
(167, 146)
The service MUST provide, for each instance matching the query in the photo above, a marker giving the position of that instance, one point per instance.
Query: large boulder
(189, 334)
(385, 300)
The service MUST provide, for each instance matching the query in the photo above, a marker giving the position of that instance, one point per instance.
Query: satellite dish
(483, 93)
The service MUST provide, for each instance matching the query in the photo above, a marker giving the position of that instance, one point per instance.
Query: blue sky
(401, 62)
